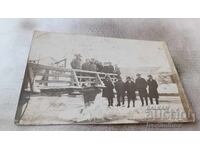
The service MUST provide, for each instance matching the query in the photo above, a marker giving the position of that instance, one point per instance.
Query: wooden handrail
(40, 66)
(52, 81)
(53, 74)
(85, 77)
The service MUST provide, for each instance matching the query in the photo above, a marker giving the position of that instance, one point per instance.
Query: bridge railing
(44, 76)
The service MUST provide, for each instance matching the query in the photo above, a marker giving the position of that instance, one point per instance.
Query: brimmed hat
(128, 77)
(150, 76)
(138, 74)
(107, 63)
(77, 55)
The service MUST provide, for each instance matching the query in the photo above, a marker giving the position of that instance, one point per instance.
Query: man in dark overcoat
(130, 88)
(108, 90)
(120, 89)
(92, 66)
(152, 88)
(141, 86)
(85, 65)
(76, 63)
(108, 67)
(99, 66)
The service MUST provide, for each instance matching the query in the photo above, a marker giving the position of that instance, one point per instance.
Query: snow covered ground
(67, 109)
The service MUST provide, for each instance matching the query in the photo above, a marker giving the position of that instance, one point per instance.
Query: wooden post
(75, 78)
(31, 78)
(46, 77)
(99, 79)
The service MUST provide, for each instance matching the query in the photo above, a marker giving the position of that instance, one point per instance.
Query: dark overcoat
(152, 87)
(99, 67)
(76, 64)
(108, 69)
(85, 66)
(130, 89)
(92, 67)
(141, 86)
(108, 90)
(120, 88)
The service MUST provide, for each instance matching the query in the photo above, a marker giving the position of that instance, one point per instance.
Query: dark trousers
(151, 100)
(129, 101)
(119, 97)
(110, 101)
(142, 100)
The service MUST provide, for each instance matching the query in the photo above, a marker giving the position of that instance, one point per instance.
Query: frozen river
(70, 109)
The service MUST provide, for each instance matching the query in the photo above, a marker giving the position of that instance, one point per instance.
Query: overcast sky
(126, 53)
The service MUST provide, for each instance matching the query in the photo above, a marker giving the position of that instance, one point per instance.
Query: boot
(128, 104)
(142, 101)
(157, 101)
(133, 103)
(146, 101)
(151, 100)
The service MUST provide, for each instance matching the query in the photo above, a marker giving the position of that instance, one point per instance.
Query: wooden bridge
(53, 80)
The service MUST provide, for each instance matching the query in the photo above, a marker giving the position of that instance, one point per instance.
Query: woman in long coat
(152, 87)
(108, 91)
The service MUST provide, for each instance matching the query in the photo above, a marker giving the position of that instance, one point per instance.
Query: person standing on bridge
(108, 67)
(76, 63)
(108, 91)
(86, 65)
(92, 65)
(152, 88)
(99, 66)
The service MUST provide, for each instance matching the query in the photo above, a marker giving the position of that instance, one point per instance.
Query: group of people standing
(129, 89)
(94, 65)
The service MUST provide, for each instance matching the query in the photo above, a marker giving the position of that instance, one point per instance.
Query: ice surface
(70, 109)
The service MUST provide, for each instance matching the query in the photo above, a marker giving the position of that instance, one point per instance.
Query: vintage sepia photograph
(81, 79)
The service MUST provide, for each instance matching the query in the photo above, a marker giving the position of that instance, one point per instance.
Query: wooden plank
(54, 74)
(32, 78)
(86, 77)
(88, 82)
(39, 66)
(75, 78)
(62, 87)
(93, 72)
(52, 81)
(100, 80)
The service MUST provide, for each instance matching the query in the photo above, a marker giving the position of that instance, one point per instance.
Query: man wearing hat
(76, 62)
(141, 86)
(120, 89)
(108, 90)
(130, 89)
(86, 64)
(108, 67)
(152, 88)
(92, 65)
